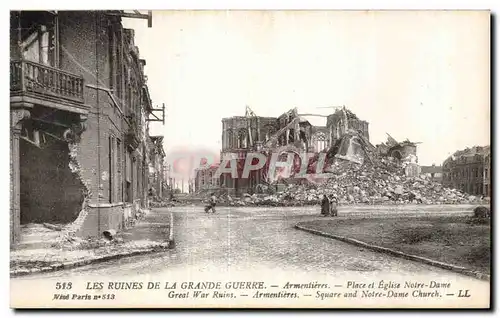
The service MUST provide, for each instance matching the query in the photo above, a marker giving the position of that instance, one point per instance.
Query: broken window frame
(43, 43)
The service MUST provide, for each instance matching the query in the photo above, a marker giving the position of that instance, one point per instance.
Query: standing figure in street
(211, 204)
(333, 206)
(325, 206)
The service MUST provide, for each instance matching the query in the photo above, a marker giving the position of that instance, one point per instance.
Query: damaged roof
(350, 114)
(469, 152)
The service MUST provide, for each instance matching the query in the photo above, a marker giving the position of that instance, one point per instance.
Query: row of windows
(471, 188)
(467, 173)
(123, 79)
(208, 178)
(241, 139)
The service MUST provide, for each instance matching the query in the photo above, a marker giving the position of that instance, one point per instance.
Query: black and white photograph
(250, 159)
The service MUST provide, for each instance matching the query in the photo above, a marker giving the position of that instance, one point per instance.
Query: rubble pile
(382, 181)
(162, 204)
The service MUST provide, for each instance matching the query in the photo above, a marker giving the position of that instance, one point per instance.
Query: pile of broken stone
(382, 181)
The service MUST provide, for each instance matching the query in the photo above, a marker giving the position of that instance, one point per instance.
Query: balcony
(39, 84)
(133, 136)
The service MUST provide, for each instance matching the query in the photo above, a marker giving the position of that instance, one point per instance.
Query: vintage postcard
(250, 159)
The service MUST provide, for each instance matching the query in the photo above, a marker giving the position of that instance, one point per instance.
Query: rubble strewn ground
(43, 248)
(382, 181)
(458, 240)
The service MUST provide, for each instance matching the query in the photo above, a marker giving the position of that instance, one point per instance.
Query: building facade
(288, 133)
(343, 120)
(469, 170)
(206, 179)
(79, 105)
(157, 179)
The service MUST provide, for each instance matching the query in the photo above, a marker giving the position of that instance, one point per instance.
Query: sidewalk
(41, 250)
(457, 243)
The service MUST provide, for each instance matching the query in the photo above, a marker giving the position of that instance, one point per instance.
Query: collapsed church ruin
(344, 137)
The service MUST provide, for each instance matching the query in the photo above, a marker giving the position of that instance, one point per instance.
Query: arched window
(229, 139)
(242, 138)
(396, 154)
(319, 141)
(210, 178)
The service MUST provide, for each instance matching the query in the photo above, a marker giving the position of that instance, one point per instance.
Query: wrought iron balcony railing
(39, 79)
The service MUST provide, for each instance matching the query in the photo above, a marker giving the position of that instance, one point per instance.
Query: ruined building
(345, 137)
(79, 106)
(343, 120)
(206, 179)
(290, 132)
(241, 135)
(469, 170)
(157, 179)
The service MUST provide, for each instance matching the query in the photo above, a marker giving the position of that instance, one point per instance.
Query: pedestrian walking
(211, 204)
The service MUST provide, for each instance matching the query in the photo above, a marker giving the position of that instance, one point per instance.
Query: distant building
(206, 179)
(435, 173)
(469, 170)
(487, 176)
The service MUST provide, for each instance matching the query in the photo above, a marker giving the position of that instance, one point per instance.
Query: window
(128, 92)
(242, 139)
(128, 177)
(119, 181)
(229, 139)
(112, 57)
(138, 179)
(112, 165)
(319, 142)
(40, 46)
(116, 73)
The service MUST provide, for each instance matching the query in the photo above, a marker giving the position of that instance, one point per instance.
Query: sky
(419, 75)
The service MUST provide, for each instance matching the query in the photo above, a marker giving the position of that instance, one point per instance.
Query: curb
(161, 247)
(453, 268)
(68, 265)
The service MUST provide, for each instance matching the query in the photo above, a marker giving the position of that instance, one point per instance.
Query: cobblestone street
(243, 239)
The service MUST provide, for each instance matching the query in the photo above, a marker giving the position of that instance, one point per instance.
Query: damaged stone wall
(344, 120)
(76, 169)
(245, 132)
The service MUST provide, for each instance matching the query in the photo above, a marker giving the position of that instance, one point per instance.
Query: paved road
(261, 240)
